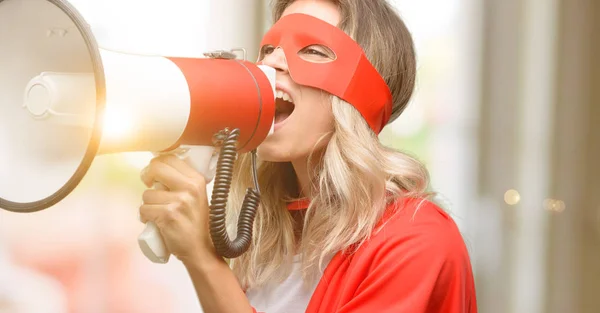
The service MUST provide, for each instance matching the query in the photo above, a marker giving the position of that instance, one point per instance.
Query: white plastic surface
(148, 98)
(38, 157)
(48, 100)
(204, 160)
(59, 97)
(271, 74)
(147, 101)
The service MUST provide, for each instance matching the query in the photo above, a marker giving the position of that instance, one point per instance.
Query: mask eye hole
(317, 54)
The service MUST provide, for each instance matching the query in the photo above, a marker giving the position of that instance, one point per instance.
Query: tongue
(283, 111)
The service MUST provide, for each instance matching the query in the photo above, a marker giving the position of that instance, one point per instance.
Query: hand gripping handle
(203, 159)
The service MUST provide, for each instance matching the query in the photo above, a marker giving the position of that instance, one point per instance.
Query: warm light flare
(117, 122)
(138, 160)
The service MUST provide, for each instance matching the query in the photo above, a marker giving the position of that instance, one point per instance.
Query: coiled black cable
(223, 176)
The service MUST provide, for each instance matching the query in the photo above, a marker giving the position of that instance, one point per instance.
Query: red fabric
(300, 204)
(416, 263)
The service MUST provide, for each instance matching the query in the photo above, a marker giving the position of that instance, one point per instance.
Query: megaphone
(57, 87)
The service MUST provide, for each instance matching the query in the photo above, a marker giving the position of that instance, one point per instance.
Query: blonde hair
(357, 176)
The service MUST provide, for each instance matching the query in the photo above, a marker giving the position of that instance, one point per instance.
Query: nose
(276, 60)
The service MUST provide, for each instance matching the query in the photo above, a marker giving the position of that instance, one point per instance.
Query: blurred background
(503, 114)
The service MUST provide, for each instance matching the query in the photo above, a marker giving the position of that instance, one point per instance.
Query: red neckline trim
(300, 204)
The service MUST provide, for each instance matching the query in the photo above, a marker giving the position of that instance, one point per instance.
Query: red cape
(416, 263)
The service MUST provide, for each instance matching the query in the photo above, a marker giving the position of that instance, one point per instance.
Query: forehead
(325, 10)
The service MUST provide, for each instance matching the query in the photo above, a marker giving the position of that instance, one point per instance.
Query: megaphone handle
(151, 242)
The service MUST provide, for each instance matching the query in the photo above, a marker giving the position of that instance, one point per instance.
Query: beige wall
(575, 250)
(549, 262)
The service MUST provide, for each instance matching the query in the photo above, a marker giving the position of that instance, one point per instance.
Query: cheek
(314, 118)
(314, 121)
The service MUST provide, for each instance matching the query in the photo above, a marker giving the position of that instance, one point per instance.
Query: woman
(344, 223)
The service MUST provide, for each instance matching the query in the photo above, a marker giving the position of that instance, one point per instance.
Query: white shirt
(290, 296)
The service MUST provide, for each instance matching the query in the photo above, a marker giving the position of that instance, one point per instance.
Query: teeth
(283, 95)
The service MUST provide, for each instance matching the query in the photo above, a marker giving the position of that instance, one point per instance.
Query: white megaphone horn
(57, 87)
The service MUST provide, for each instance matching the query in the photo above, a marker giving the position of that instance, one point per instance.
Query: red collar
(300, 204)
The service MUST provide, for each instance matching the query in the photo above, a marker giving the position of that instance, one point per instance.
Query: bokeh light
(512, 197)
(554, 205)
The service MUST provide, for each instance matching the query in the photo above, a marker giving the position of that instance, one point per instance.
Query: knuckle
(172, 212)
(201, 180)
(166, 159)
(169, 157)
(180, 205)
(144, 172)
(153, 164)
(187, 199)
(146, 195)
(149, 172)
(156, 158)
(145, 175)
(194, 187)
(143, 211)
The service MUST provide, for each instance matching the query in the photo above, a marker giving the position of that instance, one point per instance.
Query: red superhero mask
(350, 76)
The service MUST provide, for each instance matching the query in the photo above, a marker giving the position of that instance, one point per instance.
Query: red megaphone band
(350, 76)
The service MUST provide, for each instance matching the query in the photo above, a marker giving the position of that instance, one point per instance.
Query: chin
(271, 152)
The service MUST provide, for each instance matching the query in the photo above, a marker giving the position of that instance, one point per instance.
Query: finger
(163, 173)
(180, 165)
(160, 214)
(149, 212)
(157, 196)
(145, 174)
(143, 177)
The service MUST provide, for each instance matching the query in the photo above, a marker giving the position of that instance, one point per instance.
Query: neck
(305, 175)
(302, 177)
(304, 191)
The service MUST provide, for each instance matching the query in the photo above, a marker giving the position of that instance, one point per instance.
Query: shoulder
(416, 261)
(417, 219)
(416, 212)
(420, 231)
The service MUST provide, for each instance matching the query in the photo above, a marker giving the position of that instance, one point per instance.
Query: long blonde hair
(356, 177)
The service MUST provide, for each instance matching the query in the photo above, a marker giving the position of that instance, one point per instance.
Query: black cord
(224, 246)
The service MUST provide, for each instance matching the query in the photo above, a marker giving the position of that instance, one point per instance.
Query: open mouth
(284, 106)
